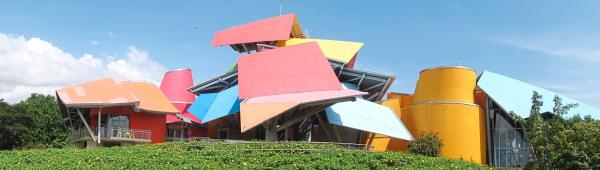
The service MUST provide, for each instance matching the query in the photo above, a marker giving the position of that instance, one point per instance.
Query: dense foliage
(559, 143)
(428, 144)
(34, 122)
(12, 126)
(178, 155)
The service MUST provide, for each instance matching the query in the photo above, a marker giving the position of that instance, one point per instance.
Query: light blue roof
(514, 95)
(367, 116)
(212, 106)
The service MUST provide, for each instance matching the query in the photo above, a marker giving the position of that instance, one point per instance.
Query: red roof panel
(270, 29)
(292, 69)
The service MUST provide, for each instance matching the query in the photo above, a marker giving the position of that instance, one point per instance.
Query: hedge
(179, 155)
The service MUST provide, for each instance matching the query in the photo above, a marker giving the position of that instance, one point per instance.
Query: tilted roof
(367, 116)
(271, 29)
(257, 110)
(514, 95)
(211, 106)
(292, 69)
(343, 51)
(108, 92)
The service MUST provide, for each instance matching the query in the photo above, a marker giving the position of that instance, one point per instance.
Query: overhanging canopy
(109, 92)
(212, 106)
(514, 95)
(367, 116)
(257, 110)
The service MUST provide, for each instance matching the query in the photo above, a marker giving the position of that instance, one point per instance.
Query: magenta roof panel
(175, 84)
(292, 69)
(270, 29)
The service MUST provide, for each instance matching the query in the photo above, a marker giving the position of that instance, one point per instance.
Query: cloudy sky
(552, 44)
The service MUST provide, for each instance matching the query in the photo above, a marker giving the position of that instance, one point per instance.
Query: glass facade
(507, 146)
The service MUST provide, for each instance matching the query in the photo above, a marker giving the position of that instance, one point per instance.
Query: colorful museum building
(286, 86)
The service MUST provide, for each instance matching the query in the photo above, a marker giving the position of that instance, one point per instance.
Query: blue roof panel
(216, 105)
(367, 116)
(514, 95)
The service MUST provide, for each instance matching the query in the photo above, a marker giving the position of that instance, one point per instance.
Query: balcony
(113, 135)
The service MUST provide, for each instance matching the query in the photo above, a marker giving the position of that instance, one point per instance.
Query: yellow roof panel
(343, 51)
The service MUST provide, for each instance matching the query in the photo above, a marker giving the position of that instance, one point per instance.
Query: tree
(535, 131)
(559, 143)
(12, 126)
(46, 127)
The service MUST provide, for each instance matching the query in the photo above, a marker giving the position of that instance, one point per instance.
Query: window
(119, 122)
(223, 134)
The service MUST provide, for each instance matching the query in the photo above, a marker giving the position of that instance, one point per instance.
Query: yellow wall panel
(444, 103)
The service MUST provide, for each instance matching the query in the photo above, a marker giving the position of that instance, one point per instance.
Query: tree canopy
(34, 122)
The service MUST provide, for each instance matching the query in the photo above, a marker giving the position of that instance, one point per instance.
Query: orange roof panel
(102, 92)
(151, 98)
(256, 113)
(257, 110)
(108, 92)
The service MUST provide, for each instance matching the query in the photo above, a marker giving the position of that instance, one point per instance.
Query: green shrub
(178, 155)
(428, 144)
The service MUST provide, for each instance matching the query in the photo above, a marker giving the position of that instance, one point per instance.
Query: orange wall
(153, 122)
(144, 121)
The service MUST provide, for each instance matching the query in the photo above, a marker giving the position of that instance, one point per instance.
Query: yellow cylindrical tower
(446, 83)
(444, 103)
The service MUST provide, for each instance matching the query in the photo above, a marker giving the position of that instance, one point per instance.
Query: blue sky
(551, 44)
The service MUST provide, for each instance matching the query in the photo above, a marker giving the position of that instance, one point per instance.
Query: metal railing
(267, 146)
(113, 133)
(188, 139)
(130, 133)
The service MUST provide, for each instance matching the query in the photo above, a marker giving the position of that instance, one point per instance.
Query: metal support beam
(371, 139)
(337, 133)
(374, 86)
(245, 49)
(301, 117)
(325, 128)
(99, 120)
(341, 69)
(488, 130)
(362, 78)
(86, 125)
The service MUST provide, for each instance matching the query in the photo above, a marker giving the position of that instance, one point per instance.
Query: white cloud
(572, 65)
(94, 42)
(34, 65)
(586, 48)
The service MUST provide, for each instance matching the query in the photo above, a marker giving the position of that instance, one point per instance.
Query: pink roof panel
(292, 69)
(270, 29)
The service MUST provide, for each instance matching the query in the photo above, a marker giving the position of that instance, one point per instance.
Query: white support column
(99, 120)
(86, 124)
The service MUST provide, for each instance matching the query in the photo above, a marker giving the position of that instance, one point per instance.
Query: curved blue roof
(514, 95)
